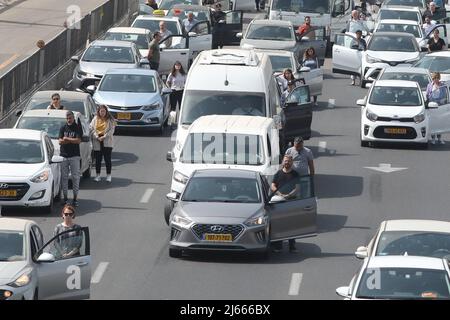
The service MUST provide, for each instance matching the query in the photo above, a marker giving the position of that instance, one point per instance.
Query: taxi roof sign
(159, 13)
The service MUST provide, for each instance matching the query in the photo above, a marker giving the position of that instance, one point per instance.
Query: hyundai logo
(217, 228)
(4, 186)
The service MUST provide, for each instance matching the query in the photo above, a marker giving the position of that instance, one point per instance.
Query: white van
(218, 142)
(228, 82)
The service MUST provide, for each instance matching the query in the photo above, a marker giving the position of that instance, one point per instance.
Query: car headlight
(41, 177)
(371, 116)
(370, 59)
(151, 107)
(256, 221)
(419, 118)
(23, 280)
(181, 221)
(179, 177)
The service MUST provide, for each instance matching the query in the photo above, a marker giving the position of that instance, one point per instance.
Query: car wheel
(175, 253)
(36, 294)
(364, 143)
(168, 210)
(423, 146)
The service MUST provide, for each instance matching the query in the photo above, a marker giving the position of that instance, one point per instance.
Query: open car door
(440, 116)
(64, 266)
(315, 38)
(295, 216)
(177, 51)
(200, 38)
(231, 26)
(297, 114)
(314, 79)
(442, 34)
(346, 59)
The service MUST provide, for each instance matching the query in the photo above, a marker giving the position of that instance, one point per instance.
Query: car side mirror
(368, 85)
(46, 257)
(343, 292)
(57, 159)
(304, 39)
(362, 252)
(239, 35)
(144, 62)
(432, 105)
(305, 69)
(18, 113)
(91, 88)
(166, 91)
(170, 156)
(75, 59)
(277, 199)
(192, 34)
(173, 196)
(361, 102)
(85, 139)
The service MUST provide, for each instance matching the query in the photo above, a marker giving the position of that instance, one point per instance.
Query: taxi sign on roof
(159, 13)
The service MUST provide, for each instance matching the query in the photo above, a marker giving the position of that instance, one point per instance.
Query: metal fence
(30, 72)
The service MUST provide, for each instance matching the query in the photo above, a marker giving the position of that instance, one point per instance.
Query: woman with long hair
(176, 81)
(310, 60)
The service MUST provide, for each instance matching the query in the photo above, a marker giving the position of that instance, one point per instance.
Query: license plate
(8, 193)
(395, 130)
(218, 237)
(123, 116)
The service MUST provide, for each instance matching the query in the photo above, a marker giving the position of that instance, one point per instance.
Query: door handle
(82, 264)
(183, 53)
(308, 208)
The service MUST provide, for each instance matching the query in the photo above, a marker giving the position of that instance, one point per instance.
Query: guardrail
(29, 73)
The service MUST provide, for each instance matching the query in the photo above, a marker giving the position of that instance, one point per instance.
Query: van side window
(269, 147)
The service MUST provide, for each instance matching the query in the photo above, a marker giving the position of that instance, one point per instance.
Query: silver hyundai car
(232, 210)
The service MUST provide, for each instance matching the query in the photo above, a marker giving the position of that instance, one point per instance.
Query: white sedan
(436, 62)
(29, 169)
(428, 238)
(399, 278)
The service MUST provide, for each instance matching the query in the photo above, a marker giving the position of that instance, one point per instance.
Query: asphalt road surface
(129, 238)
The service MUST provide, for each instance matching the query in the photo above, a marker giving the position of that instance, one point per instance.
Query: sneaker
(97, 178)
(441, 141)
(75, 202)
(65, 201)
(108, 178)
(353, 82)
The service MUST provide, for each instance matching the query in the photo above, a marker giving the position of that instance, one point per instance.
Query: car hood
(10, 271)
(100, 68)
(298, 18)
(401, 112)
(268, 44)
(219, 210)
(393, 55)
(19, 170)
(125, 99)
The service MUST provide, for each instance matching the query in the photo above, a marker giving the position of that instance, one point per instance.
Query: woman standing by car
(69, 243)
(176, 81)
(284, 78)
(436, 92)
(102, 131)
(310, 60)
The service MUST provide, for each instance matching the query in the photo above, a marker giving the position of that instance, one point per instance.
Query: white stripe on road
(296, 281)
(331, 103)
(322, 146)
(147, 195)
(98, 274)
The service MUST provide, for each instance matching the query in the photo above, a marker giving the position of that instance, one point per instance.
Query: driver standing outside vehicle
(218, 19)
(359, 44)
(303, 158)
(286, 184)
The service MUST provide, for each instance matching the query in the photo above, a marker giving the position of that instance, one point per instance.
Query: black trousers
(154, 65)
(257, 4)
(105, 152)
(175, 97)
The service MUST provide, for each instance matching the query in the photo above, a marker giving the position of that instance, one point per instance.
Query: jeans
(175, 97)
(105, 152)
(71, 165)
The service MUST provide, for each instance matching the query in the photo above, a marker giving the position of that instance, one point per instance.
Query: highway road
(356, 187)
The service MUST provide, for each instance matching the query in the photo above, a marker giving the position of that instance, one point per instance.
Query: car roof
(398, 21)
(13, 224)
(417, 225)
(395, 83)
(413, 262)
(135, 71)
(190, 7)
(273, 23)
(112, 43)
(400, 8)
(228, 173)
(231, 124)
(149, 17)
(280, 53)
(20, 134)
(406, 70)
(129, 30)
(393, 34)
(46, 113)
(68, 95)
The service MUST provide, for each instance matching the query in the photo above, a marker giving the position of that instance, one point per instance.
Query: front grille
(395, 119)
(22, 189)
(233, 229)
(410, 133)
(134, 116)
(125, 108)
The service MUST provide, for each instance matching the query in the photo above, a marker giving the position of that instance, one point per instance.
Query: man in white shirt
(189, 23)
(164, 32)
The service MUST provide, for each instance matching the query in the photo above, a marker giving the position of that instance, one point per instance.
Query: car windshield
(395, 96)
(404, 283)
(72, 105)
(310, 6)
(153, 25)
(414, 243)
(49, 125)
(390, 43)
(198, 103)
(279, 63)
(421, 78)
(167, 4)
(140, 40)
(128, 83)
(20, 151)
(222, 189)
(11, 246)
(434, 64)
(108, 54)
(274, 33)
(399, 15)
(406, 28)
(407, 3)
(223, 148)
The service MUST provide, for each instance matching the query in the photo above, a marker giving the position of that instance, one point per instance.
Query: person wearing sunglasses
(55, 104)
(69, 243)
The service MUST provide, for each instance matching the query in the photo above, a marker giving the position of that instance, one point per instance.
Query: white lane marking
(147, 195)
(331, 103)
(322, 146)
(386, 168)
(98, 274)
(296, 281)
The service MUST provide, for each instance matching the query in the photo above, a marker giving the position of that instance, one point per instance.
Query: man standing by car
(69, 139)
(302, 157)
(153, 51)
(305, 27)
(286, 184)
(433, 13)
(189, 23)
(359, 44)
(218, 19)
(165, 34)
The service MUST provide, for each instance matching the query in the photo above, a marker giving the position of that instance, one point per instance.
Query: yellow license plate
(395, 130)
(8, 193)
(123, 116)
(218, 237)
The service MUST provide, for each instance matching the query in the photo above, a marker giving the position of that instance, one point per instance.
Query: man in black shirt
(218, 20)
(69, 139)
(286, 183)
(152, 4)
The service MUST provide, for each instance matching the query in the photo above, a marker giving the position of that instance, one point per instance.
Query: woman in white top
(176, 81)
